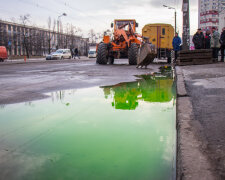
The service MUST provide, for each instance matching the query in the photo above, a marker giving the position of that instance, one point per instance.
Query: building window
(163, 31)
(9, 29)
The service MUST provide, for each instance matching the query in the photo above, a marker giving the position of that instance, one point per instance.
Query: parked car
(92, 53)
(3, 53)
(59, 54)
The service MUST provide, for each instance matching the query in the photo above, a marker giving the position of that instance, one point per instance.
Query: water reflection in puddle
(126, 131)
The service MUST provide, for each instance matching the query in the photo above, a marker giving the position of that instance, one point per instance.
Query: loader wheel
(133, 54)
(102, 54)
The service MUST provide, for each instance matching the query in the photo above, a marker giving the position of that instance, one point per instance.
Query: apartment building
(211, 14)
(16, 37)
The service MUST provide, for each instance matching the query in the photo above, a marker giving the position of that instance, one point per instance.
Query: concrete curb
(181, 90)
(192, 164)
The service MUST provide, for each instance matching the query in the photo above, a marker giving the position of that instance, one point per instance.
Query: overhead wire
(72, 17)
(81, 11)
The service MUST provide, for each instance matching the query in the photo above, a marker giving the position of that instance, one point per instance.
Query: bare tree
(61, 37)
(77, 31)
(92, 36)
(98, 37)
(36, 41)
(13, 20)
(72, 36)
(51, 32)
(73, 31)
(24, 19)
(67, 36)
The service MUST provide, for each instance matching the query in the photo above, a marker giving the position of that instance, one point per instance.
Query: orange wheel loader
(125, 43)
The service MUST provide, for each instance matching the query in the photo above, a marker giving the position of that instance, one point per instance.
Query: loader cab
(120, 22)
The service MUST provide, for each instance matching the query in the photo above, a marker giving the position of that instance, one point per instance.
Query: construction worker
(215, 44)
(222, 42)
(176, 44)
(198, 39)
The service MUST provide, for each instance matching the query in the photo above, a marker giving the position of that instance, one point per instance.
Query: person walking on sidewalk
(207, 39)
(198, 39)
(176, 45)
(215, 44)
(72, 52)
(76, 52)
(222, 42)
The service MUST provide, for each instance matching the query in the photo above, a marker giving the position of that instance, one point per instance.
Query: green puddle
(123, 132)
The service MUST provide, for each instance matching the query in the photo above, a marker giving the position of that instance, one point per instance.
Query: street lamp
(64, 14)
(175, 15)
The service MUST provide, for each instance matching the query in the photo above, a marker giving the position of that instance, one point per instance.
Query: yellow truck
(161, 35)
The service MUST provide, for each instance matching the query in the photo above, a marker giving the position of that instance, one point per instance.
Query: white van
(59, 54)
(92, 53)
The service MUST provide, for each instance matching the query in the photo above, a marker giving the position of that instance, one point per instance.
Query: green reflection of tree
(150, 88)
(126, 96)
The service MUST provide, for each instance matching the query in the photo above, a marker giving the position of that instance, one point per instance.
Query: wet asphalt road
(206, 87)
(29, 81)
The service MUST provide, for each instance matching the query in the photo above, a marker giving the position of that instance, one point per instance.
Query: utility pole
(186, 25)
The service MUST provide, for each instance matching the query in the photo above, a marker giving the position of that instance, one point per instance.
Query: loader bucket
(147, 53)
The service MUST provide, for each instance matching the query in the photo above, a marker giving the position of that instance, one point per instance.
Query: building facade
(20, 39)
(211, 14)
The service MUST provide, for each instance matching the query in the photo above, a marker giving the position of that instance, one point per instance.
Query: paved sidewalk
(205, 85)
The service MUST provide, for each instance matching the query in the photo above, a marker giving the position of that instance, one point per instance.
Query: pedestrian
(207, 39)
(222, 42)
(76, 52)
(72, 52)
(176, 44)
(198, 39)
(215, 44)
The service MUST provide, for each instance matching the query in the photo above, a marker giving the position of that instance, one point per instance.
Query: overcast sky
(98, 14)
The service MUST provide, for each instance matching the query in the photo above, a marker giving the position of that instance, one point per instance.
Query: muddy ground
(205, 85)
(29, 81)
